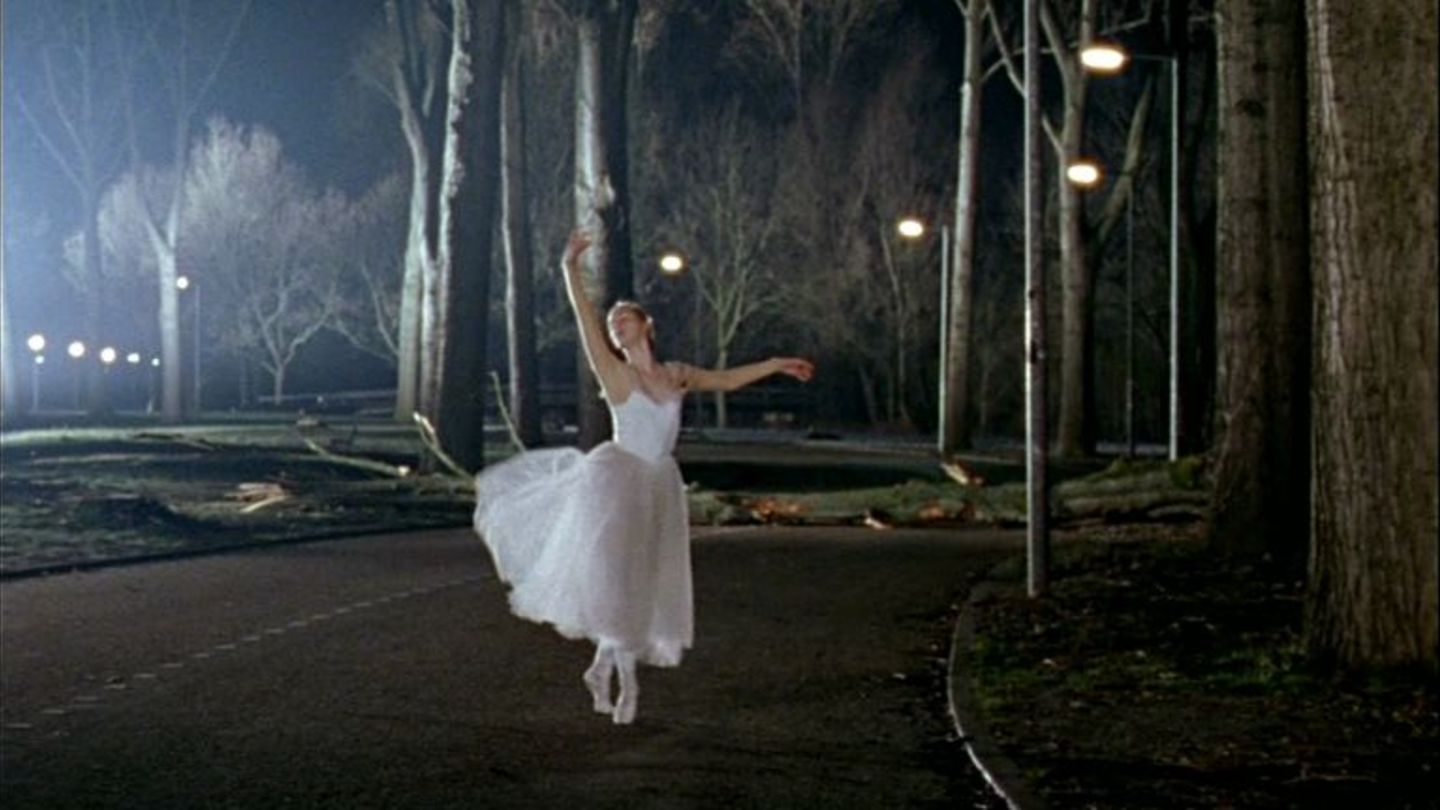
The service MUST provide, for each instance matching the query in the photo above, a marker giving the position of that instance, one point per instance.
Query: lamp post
(912, 228)
(36, 344)
(1037, 451)
(184, 283)
(1107, 58)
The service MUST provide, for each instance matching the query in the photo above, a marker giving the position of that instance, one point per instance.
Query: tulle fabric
(596, 544)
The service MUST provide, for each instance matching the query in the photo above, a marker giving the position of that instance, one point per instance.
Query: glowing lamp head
(182, 282)
(1103, 58)
(36, 342)
(76, 349)
(108, 355)
(672, 264)
(155, 362)
(1083, 173)
(133, 358)
(911, 228)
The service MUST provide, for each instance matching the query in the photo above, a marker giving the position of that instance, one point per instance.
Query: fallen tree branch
(432, 443)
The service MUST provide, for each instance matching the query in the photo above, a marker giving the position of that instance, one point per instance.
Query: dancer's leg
(597, 677)
(629, 687)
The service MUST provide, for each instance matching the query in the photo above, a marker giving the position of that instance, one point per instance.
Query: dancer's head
(629, 324)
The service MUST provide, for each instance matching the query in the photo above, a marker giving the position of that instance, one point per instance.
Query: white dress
(598, 544)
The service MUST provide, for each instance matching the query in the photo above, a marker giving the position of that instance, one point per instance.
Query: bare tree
(516, 235)
(1372, 590)
(1260, 500)
(403, 60)
(604, 32)
(469, 203)
(271, 246)
(74, 110)
(717, 208)
(367, 308)
(186, 68)
(1065, 34)
(801, 36)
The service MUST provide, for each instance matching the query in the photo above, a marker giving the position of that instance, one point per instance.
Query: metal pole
(945, 431)
(1038, 537)
(197, 346)
(1173, 66)
(1130, 321)
(35, 385)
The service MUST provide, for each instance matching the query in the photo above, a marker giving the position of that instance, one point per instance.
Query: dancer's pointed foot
(629, 688)
(625, 708)
(597, 680)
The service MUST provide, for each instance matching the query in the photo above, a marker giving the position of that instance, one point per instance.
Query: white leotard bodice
(646, 427)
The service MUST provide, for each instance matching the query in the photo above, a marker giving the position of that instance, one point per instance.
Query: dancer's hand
(797, 367)
(580, 241)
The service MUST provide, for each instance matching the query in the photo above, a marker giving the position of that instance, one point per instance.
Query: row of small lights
(76, 350)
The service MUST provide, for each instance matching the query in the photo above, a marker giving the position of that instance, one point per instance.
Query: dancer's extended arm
(607, 366)
(729, 379)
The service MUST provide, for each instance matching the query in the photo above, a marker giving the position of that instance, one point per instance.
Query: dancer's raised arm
(603, 361)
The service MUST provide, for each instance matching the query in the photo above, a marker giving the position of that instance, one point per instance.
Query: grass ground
(1154, 674)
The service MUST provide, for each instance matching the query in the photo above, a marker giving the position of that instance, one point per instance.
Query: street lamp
(1083, 173)
(912, 228)
(1109, 58)
(185, 283)
(36, 344)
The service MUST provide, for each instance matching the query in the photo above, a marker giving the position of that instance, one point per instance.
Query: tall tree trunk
(956, 375)
(1260, 500)
(96, 384)
(1371, 600)
(419, 261)
(519, 276)
(9, 373)
(1074, 431)
(603, 35)
(468, 203)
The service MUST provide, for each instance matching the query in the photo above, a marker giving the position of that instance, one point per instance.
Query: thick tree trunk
(1371, 600)
(417, 269)
(1260, 500)
(955, 435)
(603, 35)
(469, 200)
(519, 276)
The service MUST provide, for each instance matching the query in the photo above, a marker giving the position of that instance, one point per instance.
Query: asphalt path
(387, 672)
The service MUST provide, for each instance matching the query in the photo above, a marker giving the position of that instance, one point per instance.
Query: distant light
(39, 359)
(911, 228)
(36, 342)
(108, 355)
(155, 361)
(76, 349)
(672, 263)
(183, 282)
(133, 358)
(1104, 58)
(1083, 173)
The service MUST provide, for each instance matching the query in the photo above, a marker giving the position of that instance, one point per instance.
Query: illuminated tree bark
(516, 233)
(1260, 500)
(469, 201)
(1371, 598)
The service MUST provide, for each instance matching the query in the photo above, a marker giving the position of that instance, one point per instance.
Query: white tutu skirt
(596, 544)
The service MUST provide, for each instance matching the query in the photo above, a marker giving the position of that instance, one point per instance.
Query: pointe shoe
(599, 685)
(625, 709)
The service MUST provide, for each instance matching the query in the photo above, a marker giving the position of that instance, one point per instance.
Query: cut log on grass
(432, 443)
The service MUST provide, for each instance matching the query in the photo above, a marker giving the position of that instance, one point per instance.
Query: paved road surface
(387, 672)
